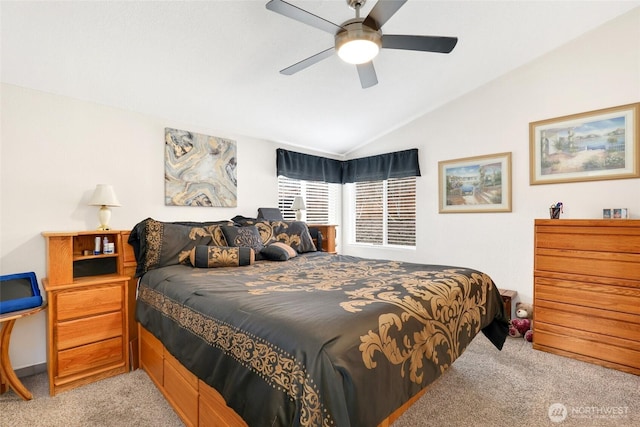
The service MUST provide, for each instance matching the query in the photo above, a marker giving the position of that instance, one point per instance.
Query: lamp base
(104, 215)
(298, 215)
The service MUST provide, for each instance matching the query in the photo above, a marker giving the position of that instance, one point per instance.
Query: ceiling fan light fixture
(358, 44)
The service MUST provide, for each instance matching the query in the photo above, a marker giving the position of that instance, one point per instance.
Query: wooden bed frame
(197, 403)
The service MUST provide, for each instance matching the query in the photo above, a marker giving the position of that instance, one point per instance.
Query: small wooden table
(8, 377)
(507, 296)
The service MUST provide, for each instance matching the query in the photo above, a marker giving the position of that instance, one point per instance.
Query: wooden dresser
(88, 315)
(587, 291)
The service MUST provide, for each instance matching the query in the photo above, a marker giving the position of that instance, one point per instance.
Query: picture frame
(615, 213)
(475, 184)
(199, 170)
(595, 145)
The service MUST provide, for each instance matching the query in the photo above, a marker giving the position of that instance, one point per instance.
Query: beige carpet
(485, 387)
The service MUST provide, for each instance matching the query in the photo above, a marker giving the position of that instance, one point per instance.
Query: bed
(310, 340)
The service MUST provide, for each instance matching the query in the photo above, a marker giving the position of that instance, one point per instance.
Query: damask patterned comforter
(319, 340)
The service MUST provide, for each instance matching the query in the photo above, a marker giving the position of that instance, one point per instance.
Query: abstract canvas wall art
(200, 170)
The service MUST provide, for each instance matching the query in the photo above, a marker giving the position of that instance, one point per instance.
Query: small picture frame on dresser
(621, 213)
(616, 213)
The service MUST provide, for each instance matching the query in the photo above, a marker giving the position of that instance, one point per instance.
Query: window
(320, 198)
(386, 212)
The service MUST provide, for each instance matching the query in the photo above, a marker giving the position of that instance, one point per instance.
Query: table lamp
(104, 196)
(298, 206)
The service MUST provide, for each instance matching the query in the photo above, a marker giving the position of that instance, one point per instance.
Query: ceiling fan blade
(367, 74)
(299, 66)
(301, 15)
(382, 12)
(422, 43)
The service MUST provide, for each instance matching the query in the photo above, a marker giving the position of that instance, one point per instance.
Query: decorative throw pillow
(217, 236)
(243, 236)
(220, 256)
(243, 220)
(265, 230)
(295, 234)
(278, 251)
(158, 244)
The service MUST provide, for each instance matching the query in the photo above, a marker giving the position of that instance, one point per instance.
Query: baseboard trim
(31, 370)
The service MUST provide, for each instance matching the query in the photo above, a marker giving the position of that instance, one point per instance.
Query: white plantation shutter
(370, 212)
(320, 199)
(401, 211)
(287, 190)
(386, 212)
(317, 202)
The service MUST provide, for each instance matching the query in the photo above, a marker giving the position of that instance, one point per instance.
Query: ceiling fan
(358, 40)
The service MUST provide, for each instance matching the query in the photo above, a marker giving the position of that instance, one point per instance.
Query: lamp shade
(298, 204)
(104, 195)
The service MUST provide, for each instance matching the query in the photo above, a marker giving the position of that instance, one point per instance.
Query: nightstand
(328, 237)
(507, 297)
(87, 319)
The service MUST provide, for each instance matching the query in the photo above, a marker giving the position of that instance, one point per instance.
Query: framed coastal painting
(475, 184)
(595, 145)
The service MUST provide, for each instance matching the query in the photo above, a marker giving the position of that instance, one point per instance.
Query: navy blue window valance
(307, 167)
(399, 164)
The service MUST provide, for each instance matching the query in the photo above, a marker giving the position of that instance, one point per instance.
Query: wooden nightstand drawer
(87, 330)
(89, 301)
(90, 357)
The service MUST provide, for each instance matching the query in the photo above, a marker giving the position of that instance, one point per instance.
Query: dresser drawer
(90, 329)
(601, 296)
(599, 264)
(590, 346)
(90, 356)
(603, 322)
(607, 240)
(89, 301)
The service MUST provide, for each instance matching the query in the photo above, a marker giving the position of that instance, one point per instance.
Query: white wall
(55, 150)
(598, 70)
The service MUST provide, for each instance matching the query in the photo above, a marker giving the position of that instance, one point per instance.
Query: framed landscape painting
(475, 184)
(595, 145)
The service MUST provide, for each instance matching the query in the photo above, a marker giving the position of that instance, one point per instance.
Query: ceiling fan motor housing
(358, 43)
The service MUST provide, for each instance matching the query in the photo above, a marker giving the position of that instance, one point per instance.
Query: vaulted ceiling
(216, 64)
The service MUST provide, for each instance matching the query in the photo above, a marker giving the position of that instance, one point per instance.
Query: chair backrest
(19, 292)
(270, 214)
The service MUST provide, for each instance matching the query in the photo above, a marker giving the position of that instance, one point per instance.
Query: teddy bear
(522, 325)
